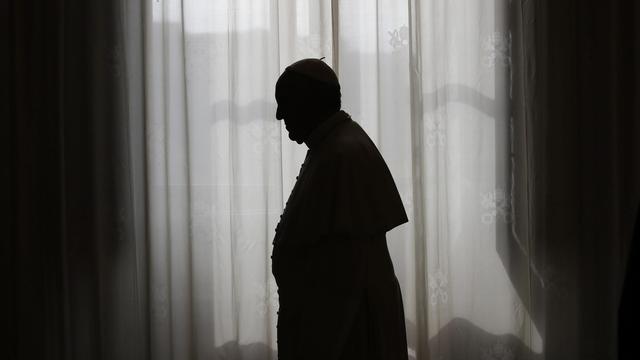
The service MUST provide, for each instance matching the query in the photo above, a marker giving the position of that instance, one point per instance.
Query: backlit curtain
(432, 83)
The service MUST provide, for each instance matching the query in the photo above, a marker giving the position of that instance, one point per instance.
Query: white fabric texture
(429, 81)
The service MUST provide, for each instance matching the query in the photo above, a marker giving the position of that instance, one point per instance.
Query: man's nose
(279, 114)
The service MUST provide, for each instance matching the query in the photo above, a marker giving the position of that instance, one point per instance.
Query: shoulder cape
(344, 188)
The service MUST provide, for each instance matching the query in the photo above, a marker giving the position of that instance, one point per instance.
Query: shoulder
(350, 142)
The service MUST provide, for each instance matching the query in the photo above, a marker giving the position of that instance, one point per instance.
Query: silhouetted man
(339, 296)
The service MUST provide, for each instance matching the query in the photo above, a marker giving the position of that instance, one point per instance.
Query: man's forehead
(281, 93)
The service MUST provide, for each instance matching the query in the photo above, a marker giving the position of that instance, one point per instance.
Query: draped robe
(338, 293)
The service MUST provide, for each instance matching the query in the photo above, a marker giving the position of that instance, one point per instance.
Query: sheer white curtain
(430, 82)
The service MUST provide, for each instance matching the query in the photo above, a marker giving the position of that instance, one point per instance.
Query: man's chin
(296, 138)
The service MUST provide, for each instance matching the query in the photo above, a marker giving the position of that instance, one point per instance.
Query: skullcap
(315, 69)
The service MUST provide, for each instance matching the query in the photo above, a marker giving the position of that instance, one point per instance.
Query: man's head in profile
(307, 93)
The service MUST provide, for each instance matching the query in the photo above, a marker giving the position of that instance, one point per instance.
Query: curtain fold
(585, 184)
(75, 250)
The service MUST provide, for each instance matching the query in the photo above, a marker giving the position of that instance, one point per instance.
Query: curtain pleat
(77, 204)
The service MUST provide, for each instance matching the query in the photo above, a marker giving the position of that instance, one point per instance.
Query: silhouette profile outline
(338, 293)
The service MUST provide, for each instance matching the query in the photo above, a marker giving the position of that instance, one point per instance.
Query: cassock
(338, 293)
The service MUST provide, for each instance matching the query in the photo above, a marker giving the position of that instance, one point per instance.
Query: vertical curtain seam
(126, 98)
(335, 32)
(523, 79)
(167, 183)
(63, 203)
(188, 185)
(232, 175)
(145, 173)
(422, 349)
